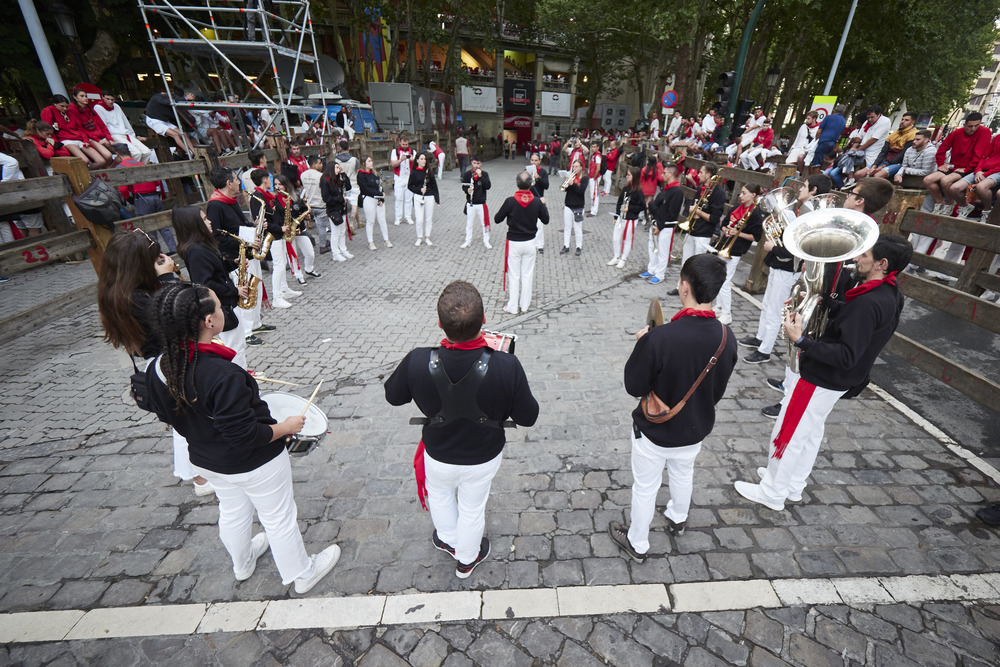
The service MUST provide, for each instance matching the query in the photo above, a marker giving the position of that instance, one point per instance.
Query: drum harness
(458, 399)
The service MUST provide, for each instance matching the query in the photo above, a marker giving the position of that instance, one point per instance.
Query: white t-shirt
(310, 188)
(461, 146)
(115, 120)
(880, 132)
(753, 127)
(708, 123)
(675, 125)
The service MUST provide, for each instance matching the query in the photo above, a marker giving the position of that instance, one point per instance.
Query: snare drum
(283, 405)
(501, 342)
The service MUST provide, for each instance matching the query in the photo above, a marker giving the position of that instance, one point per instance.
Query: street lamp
(67, 27)
(771, 80)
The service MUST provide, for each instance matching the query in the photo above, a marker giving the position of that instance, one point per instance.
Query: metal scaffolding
(225, 38)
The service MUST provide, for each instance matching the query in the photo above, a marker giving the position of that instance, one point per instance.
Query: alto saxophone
(293, 229)
(243, 276)
(725, 243)
(263, 237)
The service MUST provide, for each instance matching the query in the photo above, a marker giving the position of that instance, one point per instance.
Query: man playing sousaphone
(680, 371)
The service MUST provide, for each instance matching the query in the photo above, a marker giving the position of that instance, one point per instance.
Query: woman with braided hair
(200, 250)
(132, 270)
(233, 440)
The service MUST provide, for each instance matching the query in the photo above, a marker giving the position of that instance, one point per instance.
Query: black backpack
(638, 159)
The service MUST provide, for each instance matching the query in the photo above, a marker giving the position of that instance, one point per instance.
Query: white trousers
(279, 260)
(595, 195)
(571, 225)
(921, 243)
(322, 221)
(648, 461)
(338, 240)
(182, 460)
(440, 166)
(694, 245)
(236, 340)
(306, 256)
(659, 257)
(268, 489)
(473, 213)
(779, 288)
(539, 234)
(456, 496)
(138, 150)
(520, 273)
(606, 181)
(403, 199)
(748, 159)
(787, 475)
(374, 210)
(724, 302)
(623, 237)
(423, 214)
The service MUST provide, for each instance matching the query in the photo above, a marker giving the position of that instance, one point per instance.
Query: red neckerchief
(218, 196)
(737, 215)
(473, 344)
(671, 184)
(692, 312)
(523, 197)
(797, 404)
(418, 169)
(268, 197)
(364, 171)
(855, 292)
(864, 128)
(103, 105)
(282, 198)
(210, 348)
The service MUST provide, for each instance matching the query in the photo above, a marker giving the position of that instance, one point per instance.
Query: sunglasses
(151, 241)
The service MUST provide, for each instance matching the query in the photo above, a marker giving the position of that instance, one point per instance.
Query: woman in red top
(41, 133)
(92, 132)
(651, 178)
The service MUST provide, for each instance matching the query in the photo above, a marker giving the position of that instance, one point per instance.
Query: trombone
(724, 246)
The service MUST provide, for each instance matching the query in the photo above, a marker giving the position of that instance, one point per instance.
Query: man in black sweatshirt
(668, 360)
(522, 212)
(707, 218)
(665, 210)
(475, 184)
(836, 364)
(467, 391)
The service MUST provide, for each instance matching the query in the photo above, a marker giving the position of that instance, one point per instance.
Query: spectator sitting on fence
(120, 128)
(985, 181)
(68, 132)
(847, 162)
(891, 157)
(160, 119)
(146, 197)
(759, 148)
(41, 134)
(917, 160)
(805, 136)
(98, 139)
(23, 223)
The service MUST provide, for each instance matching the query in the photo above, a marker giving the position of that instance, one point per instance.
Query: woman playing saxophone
(741, 239)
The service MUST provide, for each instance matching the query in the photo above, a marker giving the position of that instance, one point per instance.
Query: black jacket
(576, 193)
(668, 360)
(541, 183)
(275, 215)
(666, 206)
(504, 394)
(229, 217)
(715, 206)
(140, 310)
(369, 185)
(636, 203)
(844, 355)
(420, 178)
(228, 427)
(755, 227)
(522, 215)
(782, 260)
(207, 267)
(334, 193)
(477, 193)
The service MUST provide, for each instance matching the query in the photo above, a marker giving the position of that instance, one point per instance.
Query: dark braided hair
(176, 315)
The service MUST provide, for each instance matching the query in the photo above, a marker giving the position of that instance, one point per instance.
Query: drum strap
(458, 399)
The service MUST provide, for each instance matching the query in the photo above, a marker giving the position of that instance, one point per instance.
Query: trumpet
(723, 247)
(572, 180)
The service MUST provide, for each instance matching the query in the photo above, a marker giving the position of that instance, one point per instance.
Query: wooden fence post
(79, 179)
(53, 214)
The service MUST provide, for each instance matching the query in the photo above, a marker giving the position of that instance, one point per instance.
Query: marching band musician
(197, 245)
(671, 363)
(523, 212)
(233, 440)
(594, 177)
(634, 202)
(372, 200)
(467, 395)
(334, 188)
(707, 219)
(301, 256)
(784, 271)
(575, 188)
(475, 183)
(274, 216)
(751, 232)
(539, 184)
(836, 364)
(423, 186)
(665, 211)
(401, 160)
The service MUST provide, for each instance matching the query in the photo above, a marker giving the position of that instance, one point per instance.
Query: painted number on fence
(30, 255)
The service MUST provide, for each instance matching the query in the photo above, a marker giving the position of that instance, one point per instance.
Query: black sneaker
(749, 341)
(673, 292)
(324, 250)
(254, 340)
(265, 328)
(757, 358)
(619, 535)
(4, 279)
(541, 251)
(463, 571)
(677, 529)
(442, 546)
(564, 251)
(314, 274)
(989, 515)
(579, 251)
(771, 411)
(776, 385)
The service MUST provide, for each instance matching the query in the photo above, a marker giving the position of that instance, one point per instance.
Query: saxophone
(243, 276)
(260, 232)
(685, 227)
(293, 227)
(725, 243)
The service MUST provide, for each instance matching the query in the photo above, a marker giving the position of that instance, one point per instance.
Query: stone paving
(91, 518)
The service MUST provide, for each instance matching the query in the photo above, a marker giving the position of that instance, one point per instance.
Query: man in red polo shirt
(957, 159)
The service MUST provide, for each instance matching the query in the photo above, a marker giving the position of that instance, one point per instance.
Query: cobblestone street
(883, 562)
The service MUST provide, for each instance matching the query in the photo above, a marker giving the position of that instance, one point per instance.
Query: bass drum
(282, 405)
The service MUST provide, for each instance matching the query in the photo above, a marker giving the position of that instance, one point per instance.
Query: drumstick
(261, 378)
(316, 391)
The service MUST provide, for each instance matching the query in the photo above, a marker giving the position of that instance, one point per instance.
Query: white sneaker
(290, 292)
(964, 211)
(371, 246)
(388, 243)
(487, 244)
(753, 493)
(339, 258)
(419, 241)
(322, 563)
(428, 241)
(348, 255)
(397, 223)
(278, 302)
(794, 497)
(621, 263)
(205, 489)
(465, 245)
(409, 221)
(612, 261)
(725, 318)
(258, 547)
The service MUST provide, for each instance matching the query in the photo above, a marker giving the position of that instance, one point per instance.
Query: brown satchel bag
(657, 411)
